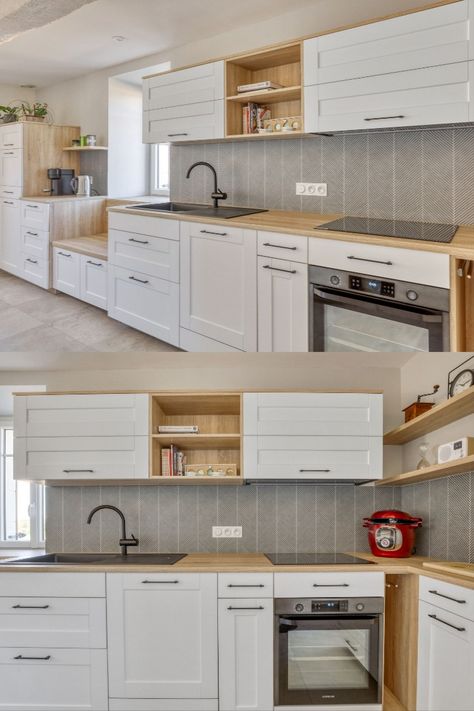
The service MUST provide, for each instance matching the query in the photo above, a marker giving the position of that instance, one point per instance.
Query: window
(21, 502)
(160, 169)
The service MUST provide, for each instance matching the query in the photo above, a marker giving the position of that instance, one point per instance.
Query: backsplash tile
(419, 174)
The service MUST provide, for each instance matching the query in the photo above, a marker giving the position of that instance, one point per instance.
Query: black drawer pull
(30, 607)
(174, 135)
(8, 153)
(138, 241)
(78, 471)
(245, 586)
(8, 145)
(8, 202)
(384, 118)
(276, 269)
(33, 234)
(32, 261)
(279, 246)
(338, 585)
(246, 608)
(33, 659)
(372, 261)
(33, 207)
(8, 192)
(140, 281)
(447, 597)
(94, 264)
(314, 471)
(218, 234)
(160, 582)
(448, 624)
(65, 254)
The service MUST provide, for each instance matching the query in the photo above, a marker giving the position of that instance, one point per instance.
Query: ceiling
(81, 41)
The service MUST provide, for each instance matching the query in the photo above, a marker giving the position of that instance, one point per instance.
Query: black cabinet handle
(279, 246)
(218, 234)
(32, 261)
(30, 607)
(314, 471)
(160, 582)
(8, 202)
(448, 624)
(174, 135)
(447, 597)
(35, 659)
(33, 207)
(65, 254)
(245, 586)
(8, 153)
(338, 585)
(384, 118)
(138, 241)
(33, 234)
(277, 269)
(94, 264)
(78, 471)
(140, 281)
(8, 192)
(246, 608)
(372, 261)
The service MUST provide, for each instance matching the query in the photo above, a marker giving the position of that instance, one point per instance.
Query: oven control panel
(330, 606)
(372, 286)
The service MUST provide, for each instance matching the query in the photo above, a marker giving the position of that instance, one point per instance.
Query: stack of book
(173, 461)
(254, 117)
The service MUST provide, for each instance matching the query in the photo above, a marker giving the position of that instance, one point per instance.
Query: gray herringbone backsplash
(423, 174)
(275, 518)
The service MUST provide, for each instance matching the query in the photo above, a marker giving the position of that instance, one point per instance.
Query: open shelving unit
(218, 416)
(282, 65)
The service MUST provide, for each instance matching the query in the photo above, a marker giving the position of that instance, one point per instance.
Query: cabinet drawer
(11, 136)
(166, 228)
(35, 242)
(307, 458)
(81, 458)
(144, 302)
(67, 271)
(53, 679)
(52, 622)
(245, 585)
(159, 581)
(81, 415)
(313, 414)
(14, 193)
(186, 86)
(163, 704)
(392, 262)
(11, 168)
(192, 122)
(34, 269)
(291, 248)
(454, 598)
(329, 585)
(35, 214)
(94, 281)
(155, 256)
(52, 585)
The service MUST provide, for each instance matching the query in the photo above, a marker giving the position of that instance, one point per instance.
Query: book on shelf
(259, 86)
(178, 429)
(254, 116)
(173, 461)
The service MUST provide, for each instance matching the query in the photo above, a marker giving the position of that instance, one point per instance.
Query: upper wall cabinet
(186, 105)
(406, 71)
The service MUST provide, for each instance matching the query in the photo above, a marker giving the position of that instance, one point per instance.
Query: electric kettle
(82, 185)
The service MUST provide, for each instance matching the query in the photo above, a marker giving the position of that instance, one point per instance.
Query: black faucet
(217, 194)
(124, 542)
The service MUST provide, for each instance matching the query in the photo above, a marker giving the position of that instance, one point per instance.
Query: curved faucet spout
(124, 541)
(217, 194)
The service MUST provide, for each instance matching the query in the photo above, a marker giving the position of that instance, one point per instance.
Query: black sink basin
(167, 207)
(221, 212)
(98, 559)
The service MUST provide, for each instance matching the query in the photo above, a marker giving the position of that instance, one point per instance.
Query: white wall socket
(312, 189)
(227, 531)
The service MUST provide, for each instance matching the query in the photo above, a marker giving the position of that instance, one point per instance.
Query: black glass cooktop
(314, 559)
(426, 231)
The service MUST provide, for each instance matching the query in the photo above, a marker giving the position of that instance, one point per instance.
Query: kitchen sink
(221, 212)
(98, 559)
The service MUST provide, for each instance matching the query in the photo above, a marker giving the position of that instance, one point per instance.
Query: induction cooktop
(425, 231)
(315, 559)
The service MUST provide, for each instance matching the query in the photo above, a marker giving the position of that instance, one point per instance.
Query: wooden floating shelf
(270, 96)
(443, 414)
(197, 481)
(76, 149)
(199, 441)
(253, 136)
(436, 471)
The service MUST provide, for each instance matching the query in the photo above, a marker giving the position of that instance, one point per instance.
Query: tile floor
(32, 319)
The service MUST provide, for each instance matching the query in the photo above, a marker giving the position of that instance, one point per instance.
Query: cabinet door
(445, 661)
(246, 654)
(162, 635)
(45, 678)
(144, 302)
(219, 283)
(11, 136)
(282, 306)
(155, 256)
(185, 86)
(94, 281)
(67, 272)
(11, 167)
(10, 236)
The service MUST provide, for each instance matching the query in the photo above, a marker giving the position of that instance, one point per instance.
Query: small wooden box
(416, 409)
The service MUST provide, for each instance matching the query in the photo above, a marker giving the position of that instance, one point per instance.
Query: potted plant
(33, 112)
(9, 114)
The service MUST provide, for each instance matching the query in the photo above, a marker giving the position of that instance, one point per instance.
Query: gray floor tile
(16, 291)
(131, 340)
(13, 322)
(45, 339)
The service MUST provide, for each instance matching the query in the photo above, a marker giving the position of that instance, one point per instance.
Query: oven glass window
(347, 330)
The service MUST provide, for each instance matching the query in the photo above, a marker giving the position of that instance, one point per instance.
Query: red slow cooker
(392, 533)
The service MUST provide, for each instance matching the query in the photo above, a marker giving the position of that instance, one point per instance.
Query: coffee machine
(60, 179)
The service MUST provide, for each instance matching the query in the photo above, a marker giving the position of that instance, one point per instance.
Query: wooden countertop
(305, 224)
(91, 246)
(61, 198)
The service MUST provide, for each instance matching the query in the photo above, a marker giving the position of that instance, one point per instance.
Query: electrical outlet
(227, 531)
(312, 189)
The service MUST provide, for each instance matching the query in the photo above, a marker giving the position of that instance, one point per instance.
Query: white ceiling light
(119, 38)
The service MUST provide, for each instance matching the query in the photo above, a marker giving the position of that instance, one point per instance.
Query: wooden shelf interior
(436, 471)
(218, 416)
(281, 65)
(443, 414)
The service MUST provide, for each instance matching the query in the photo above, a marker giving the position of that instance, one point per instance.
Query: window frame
(155, 170)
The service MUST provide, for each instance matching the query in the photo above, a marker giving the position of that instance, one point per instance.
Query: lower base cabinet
(66, 272)
(246, 655)
(80, 276)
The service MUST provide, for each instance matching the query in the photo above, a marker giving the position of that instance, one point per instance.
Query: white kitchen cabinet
(11, 136)
(67, 271)
(10, 236)
(184, 105)
(246, 654)
(34, 270)
(34, 243)
(155, 256)
(445, 660)
(300, 585)
(219, 283)
(282, 306)
(162, 636)
(11, 167)
(35, 214)
(93, 278)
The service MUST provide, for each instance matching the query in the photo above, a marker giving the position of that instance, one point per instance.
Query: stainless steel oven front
(359, 312)
(329, 653)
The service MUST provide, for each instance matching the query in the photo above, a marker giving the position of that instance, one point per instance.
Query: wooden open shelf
(454, 409)
(282, 65)
(86, 148)
(436, 471)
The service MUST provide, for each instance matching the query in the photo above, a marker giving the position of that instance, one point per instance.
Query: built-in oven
(359, 312)
(329, 653)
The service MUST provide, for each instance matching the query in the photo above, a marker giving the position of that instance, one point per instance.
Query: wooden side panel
(43, 149)
(401, 638)
(78, 219)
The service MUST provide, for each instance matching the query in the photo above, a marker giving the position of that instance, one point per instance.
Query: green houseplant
(33, 112)
(9, 114)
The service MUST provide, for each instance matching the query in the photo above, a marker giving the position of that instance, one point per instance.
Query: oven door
(328, 660)
(349, 322)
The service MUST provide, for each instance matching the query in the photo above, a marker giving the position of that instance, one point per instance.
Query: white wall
(9, 92)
